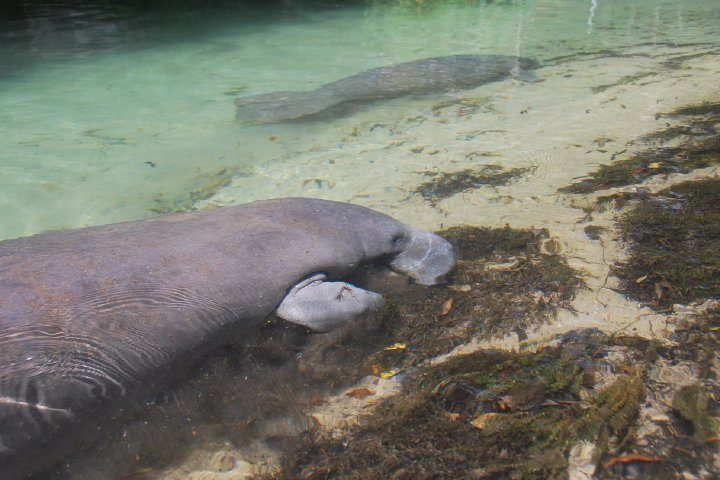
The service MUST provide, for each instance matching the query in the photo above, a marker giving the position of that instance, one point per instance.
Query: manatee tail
(282, 106)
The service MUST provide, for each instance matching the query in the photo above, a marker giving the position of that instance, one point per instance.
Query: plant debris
(447, 184)
(674, 245)
(703, 150)
(692, 404)
(593, 232)
(481, 299)
(490, 414)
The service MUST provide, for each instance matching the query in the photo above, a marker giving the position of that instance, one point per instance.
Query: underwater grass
(447, 184)
(674, 245)
(501, 284)
(490, 414)
(704, 151)
(691, 402)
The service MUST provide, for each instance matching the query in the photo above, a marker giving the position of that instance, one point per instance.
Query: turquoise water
(110, 114)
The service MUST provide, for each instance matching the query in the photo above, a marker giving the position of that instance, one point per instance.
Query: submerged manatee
(98, 320)
(431, 75)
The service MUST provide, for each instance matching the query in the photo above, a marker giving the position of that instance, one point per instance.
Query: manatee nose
(427, 258)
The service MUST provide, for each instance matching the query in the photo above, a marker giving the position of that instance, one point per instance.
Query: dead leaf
(388, 374)
(396, 346)
(376, 370)
(360, 393)
(632, 458)
(453, 416)
(273, 138)
(641, 279)
(447, 306)
(481, 420)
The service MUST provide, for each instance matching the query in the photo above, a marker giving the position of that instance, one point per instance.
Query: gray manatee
(441, 74)
(96, 321)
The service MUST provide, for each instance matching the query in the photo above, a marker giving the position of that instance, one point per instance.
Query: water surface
(111, 113)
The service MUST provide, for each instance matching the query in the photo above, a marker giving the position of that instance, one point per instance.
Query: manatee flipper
(325, 306)
(282, 106)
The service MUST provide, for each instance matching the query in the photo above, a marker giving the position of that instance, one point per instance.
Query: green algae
(593, 232)
(501, 284)
(702, 151)
(447, 184)
(674, 245)
(626, 80)
(490, 414)
(691, 402)
(206, 185)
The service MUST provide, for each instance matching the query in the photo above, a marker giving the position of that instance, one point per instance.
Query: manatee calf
(441, 74)
(97, 320)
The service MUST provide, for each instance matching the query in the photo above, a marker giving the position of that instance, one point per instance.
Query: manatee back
(108, 316)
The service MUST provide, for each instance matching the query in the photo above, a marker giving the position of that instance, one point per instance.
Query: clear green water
(109, 114)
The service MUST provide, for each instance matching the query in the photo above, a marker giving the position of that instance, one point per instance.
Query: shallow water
(111, 114)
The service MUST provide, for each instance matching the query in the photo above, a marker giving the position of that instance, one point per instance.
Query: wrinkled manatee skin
(98, 320)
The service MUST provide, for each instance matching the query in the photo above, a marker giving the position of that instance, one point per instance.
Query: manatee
(431, 75)
(97, 321)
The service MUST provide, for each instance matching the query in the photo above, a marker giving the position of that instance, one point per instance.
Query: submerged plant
(447, 184)
(702, 151)
(674, 245)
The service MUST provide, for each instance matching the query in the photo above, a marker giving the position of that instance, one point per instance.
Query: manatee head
(424, 256)
(421, 255)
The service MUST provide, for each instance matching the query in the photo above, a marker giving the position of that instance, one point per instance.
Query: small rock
(580, 461)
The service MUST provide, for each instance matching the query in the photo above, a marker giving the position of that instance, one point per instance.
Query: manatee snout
(427, 257)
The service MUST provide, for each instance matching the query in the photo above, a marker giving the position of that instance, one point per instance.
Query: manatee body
(441, 74)
(96, 320)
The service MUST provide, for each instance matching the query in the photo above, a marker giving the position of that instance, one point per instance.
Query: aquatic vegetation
(692, 404)
(593, 232)
(490, 414)
(702, 151)
(674, 245)
(447, 184)
(626, 80)
(207, 186)
(502, 284)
